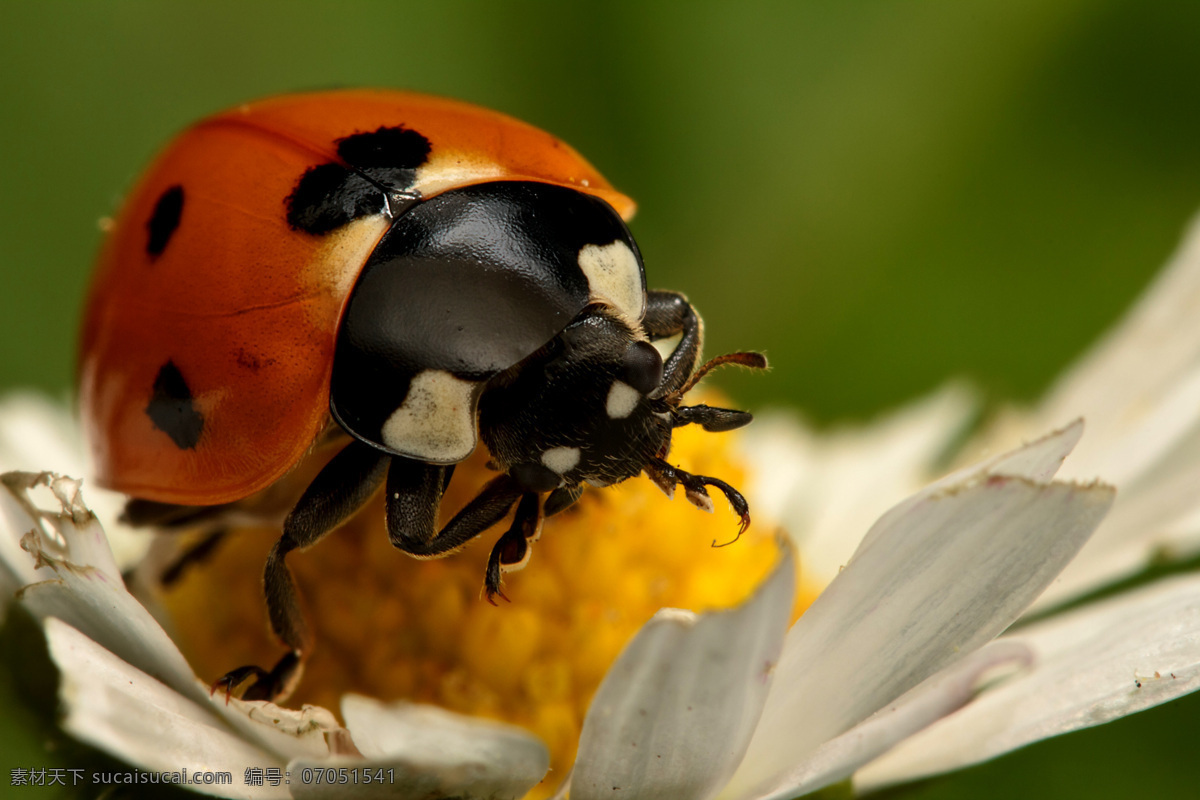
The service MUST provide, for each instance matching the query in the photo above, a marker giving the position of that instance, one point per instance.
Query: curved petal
(1123, 380)
(38, 433)
(676, 711)
(1139, 388)
(934, 579)
(79, 585)
(1035, 461)
(427, 753)
(16, 521)
(75, 534)
(1104, 661)
(825, 489)
(944, 693)
(134, 717)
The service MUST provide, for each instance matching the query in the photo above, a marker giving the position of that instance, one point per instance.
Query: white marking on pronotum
(622, 400)
(561, 459)
(615, 279)
(436, 421)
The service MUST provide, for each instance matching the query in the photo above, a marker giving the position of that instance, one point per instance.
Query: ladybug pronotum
(401, 275)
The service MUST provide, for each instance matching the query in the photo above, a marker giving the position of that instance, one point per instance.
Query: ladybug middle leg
(173, 518)
(414, 493)
(339, 490)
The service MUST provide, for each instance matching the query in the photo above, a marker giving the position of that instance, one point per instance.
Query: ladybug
(402, 274)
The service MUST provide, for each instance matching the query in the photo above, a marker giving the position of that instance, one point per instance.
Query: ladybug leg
(713, 420)
(414, 492)
(198, 553)
(273, 684)
(169, 516)
(667, 314)
(339, 490)
(512, 551)
(666, 477)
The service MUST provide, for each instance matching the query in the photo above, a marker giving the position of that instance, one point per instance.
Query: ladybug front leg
(414, 493)
(339, 490)
(668, 314)
(666, 477)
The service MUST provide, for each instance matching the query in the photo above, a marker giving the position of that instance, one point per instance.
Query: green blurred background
(881, 195)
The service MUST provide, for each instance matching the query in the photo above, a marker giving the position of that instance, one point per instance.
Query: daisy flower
(862, 645)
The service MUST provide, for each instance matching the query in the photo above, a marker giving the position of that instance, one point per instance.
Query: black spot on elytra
(164, 221)
(172, 408)
(387, 148)
(372, 165)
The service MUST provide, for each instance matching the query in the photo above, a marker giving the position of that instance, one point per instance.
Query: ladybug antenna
(750, 360)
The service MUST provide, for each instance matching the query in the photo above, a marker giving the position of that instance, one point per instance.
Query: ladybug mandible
(415, 272)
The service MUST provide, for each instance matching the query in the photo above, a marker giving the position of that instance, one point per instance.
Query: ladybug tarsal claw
(235, 678)
(272, 685)
(666, 476)
(492, 593)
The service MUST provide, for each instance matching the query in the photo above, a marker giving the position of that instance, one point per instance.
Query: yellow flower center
(392, 627)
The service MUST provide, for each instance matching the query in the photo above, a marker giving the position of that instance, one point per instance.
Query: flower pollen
(390, 626)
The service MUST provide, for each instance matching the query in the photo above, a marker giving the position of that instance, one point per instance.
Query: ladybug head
(597, 405)
(583, 409)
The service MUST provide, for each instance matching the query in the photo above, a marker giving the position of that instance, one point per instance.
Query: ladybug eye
(642, 368)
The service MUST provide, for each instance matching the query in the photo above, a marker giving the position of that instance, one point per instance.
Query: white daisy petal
(93, 600)
(126, 629)
(132, 716)
(75, 534)
(1139, 389)
(1039, 460)
(1132, 453)
(38, 434)
(944, 693)
(1157, 516)
(90, 596)
(1123, 380)
(824, 489)
(427, 753)
(1035, 461)
(112, 617)
(676, 711)
(16, 521)
(935, 581)
(1093, 665)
